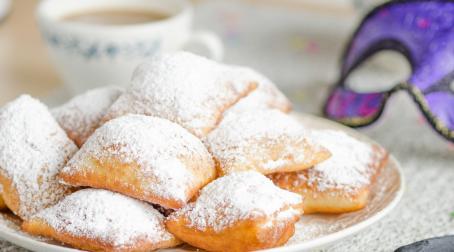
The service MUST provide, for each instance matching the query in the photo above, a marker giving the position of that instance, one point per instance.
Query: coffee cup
(99, 42)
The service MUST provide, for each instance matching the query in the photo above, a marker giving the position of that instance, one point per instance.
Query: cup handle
(210, 41)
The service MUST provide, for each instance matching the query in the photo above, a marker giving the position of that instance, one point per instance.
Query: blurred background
(295, 42)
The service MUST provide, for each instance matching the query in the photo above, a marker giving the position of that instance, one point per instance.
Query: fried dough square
(242, 211)
(81, 115)
(266, 140)
(144, 157)
(100, 220)
(184, 88)
(341, 183)
(33, 149)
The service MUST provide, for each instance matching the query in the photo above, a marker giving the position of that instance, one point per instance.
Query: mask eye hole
(380, 72)
(451, 86)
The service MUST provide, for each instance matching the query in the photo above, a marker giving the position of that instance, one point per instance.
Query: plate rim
(27, 242)
(354, 229)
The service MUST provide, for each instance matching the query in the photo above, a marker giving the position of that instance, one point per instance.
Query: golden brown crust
(332, 200)
(313, 156)
(264, 140)
(10, 197)
(39, 227)
(126, 178)
(2, 204)
(144, 157)
(78, 140)
(9, 194)
(244, 235)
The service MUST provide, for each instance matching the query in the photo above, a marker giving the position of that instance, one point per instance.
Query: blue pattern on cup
(111, 50)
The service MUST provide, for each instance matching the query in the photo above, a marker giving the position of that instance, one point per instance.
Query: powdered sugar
(275, 164)
(235, 197)
(107, 217)
(160, 148)
(267, 95)
(253, 133)
(184, 88)
(33, 148)
(349, 166)
(81, 115)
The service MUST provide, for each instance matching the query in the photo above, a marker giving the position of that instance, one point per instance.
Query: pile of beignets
(193, 151)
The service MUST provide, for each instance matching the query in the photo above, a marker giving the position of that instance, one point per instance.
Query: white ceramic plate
(312, 231)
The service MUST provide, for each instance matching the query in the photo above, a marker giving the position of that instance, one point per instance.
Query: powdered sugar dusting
(106, 216)
(267, 95)
(81, 115)
(252, 133)
(159, 147)
(235, 197)
(184, 88)
(33, 149)
(349, 166)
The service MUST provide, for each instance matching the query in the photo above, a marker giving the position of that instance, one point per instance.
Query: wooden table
(24, 64)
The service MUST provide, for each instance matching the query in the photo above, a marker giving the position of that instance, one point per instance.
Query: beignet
(265, 140)
(184, 88)
(81, 115)
(33, 149)
(242, 211)
(341, 183)
(99, 220)
(144, 157)
(266, 96)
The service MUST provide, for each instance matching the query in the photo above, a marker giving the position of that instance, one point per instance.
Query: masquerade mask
(421, 30)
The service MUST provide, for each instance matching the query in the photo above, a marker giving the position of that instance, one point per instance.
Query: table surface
(299, 49)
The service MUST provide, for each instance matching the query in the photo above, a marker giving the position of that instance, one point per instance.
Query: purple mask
(421, 30)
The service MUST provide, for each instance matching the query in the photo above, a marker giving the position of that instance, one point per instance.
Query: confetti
(230, 21)
(422, 120)
(451, 147)
(298, 95)
(302, 44)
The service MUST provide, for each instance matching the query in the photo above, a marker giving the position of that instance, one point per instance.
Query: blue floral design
(96, 50)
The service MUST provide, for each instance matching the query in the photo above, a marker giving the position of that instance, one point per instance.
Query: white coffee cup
(88, 55)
